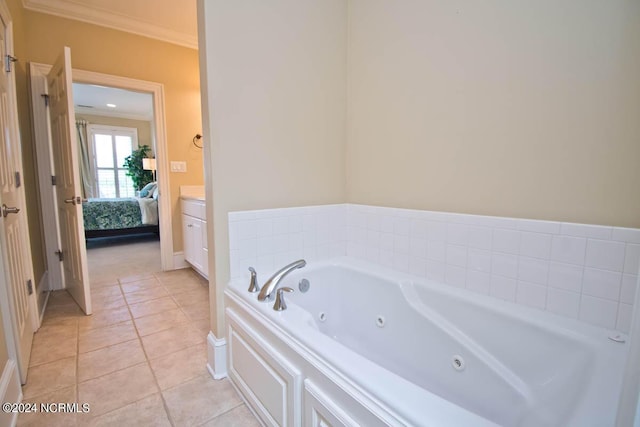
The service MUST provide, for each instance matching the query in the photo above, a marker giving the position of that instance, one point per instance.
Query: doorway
(117, 168)
(157, 130)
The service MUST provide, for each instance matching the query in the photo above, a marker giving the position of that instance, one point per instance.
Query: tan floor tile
(180, 287)
(203, 326)
(136, 278)
(52, 318)
(106, 303)
(100, 282)
(103, 318)
(148, 308)
(93, 339)
(63, 327)
(197, 311)
(61, 311)
(48, 346)
(175, 275)
(200, 400)
(106, 291)
(60, 297)
(181, 366)
(146, 295)
(146, 412)
(171, 340)
(197, 296)
(63, 395)
(115, 390)
(240, 416)
(109, 359)
(140, 285)
(159, 322)
(50, 377)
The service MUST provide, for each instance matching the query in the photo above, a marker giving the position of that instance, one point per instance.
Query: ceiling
(173, 21)
(93, 99)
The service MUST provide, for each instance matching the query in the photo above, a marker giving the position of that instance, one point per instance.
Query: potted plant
(133, 163)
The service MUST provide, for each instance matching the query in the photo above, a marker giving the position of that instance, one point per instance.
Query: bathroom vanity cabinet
(194, 232)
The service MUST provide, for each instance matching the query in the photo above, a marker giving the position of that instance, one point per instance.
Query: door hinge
(54, 180)
(60, 255)
(18, 180)
(8, 61)
(29, 286)
(46, 99)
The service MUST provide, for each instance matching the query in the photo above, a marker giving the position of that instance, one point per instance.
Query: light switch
(178, 166)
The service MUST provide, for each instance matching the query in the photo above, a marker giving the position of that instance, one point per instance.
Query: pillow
(146, 190)
(155, 192)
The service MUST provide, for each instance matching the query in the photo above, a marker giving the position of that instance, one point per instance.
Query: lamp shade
(149, 164)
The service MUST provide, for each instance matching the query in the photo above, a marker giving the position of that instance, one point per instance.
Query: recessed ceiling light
(111, 105)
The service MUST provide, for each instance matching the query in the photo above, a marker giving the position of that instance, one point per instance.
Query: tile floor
(139, 360)
(113, 257)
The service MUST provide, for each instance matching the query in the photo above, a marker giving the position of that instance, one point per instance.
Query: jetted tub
(366, 346)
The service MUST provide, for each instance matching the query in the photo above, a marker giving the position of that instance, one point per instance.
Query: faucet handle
(253, 284)
(280, 304)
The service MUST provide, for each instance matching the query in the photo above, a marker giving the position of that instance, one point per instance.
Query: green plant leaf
(133, 164)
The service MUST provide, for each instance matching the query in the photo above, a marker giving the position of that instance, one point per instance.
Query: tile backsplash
(580, 271)
(272, 238)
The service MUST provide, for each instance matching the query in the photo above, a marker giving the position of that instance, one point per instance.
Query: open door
(16, 268)
(68, 192)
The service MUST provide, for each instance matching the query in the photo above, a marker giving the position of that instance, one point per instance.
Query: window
(111, 145)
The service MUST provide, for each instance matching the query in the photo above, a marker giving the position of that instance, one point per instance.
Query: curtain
(86, 177)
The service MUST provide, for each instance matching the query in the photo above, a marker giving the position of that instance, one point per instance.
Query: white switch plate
(178, 166)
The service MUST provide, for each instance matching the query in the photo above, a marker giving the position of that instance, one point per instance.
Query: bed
(118, 217)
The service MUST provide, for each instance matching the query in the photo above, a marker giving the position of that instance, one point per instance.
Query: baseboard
(216, 356)
(10, 392)
(178, 260)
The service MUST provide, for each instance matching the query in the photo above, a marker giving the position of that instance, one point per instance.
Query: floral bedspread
(110, 214)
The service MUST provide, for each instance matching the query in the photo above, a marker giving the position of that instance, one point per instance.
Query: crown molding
(75, 10)
(104, 113)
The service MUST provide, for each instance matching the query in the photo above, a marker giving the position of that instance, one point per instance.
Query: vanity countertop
(193, 192)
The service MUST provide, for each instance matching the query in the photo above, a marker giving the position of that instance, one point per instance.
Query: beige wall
(276, 110)
(522, 109)
(103, 50)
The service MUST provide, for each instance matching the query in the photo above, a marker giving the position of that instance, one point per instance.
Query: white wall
(274, 108)
(523, 109)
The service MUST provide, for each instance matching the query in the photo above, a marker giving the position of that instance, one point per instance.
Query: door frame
(37, 77)
(7, 308)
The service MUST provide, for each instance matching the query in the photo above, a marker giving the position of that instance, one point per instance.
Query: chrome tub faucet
(253, 283)
(267, 292)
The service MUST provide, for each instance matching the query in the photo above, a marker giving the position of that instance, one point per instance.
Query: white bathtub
(412, 352)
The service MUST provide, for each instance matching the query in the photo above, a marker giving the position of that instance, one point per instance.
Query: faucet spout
(269, 287)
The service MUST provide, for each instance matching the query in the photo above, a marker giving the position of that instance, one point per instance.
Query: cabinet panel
(187, 238)
(192, 241)
(320, 411)
(194, 232)
(205, 242)
(270, 383)
(193, 208)
(196, 236)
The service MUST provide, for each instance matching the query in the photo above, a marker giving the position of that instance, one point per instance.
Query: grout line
(148, 362)
(241, 403)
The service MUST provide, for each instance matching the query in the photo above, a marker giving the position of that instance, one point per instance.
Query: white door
(67, 171)
(14, 234)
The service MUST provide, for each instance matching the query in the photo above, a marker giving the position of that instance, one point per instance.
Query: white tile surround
(585, 272)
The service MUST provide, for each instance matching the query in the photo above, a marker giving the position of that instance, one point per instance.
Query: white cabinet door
(187, 238)
(196, 236)
(205, 250)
